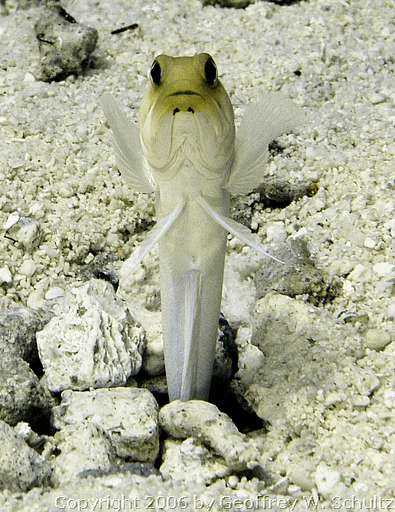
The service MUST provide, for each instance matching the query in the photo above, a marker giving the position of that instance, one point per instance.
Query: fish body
(192, 162)
(187, 154)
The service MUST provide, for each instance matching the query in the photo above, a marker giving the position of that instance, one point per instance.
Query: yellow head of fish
(186, 106)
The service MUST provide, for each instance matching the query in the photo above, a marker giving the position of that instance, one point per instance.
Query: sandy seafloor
(56, 165)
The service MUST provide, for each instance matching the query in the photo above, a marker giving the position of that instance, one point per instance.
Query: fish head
(186, 110)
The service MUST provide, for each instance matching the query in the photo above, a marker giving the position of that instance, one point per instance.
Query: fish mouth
(185, 93)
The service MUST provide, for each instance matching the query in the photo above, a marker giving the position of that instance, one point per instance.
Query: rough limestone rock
(190, 461)
(92, 341)
(156, 385)
(21, 468)
(128, 416)
(204, 421)
(80, 448)
(21, 395)
(64, 45)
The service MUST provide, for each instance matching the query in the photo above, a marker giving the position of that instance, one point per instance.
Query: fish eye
(210, 72)
(156, 73)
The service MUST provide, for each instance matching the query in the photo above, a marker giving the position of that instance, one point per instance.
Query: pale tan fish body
(187, 154)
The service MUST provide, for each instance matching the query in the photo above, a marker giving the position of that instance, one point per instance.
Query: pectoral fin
(191, 324)
(127, 147)
(156, 233)
(236, 229)
(262, 122)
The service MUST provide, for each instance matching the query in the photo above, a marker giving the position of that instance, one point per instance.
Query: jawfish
(186, 151)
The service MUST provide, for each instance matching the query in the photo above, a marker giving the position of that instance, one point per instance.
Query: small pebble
(377, 339)
(383, 269)
(361, 401)
(11, 220)
(326, 479)
(294, 490)
(376, 98)
(348, 287)
(391, 311)
(369, 243)
(233, 480)
(54, 293)
(5, 275)
(357, 273)
(389, 398)
(27, 268)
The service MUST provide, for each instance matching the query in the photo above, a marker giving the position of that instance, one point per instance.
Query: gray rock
(191, 461)
(204, 421)
(128, 416)
(18, 327)
(80, 448)
(21, 394)
(64, 45)
(296, 276)
(21, 468)
(156, 384)
(92, 341)
(102, 267)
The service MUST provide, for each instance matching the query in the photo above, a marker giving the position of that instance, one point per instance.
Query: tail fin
(191, 323)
